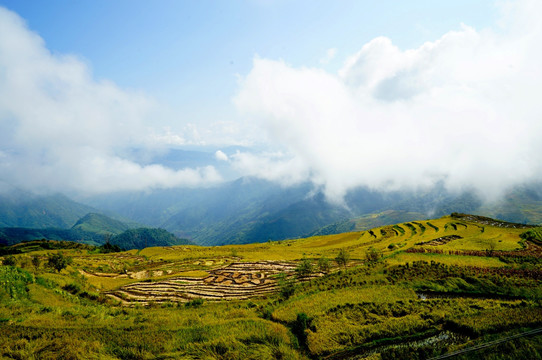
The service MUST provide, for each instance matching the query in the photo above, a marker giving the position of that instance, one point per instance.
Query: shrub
(194, 303)
(72, 288)
(286, 286)
(323, 264)
(36, 261)
(58, 261)
(342, 258)
(14, 281)
(9, 260)
(304, 268)
(109, 248)
(373, 255)
(301, 324)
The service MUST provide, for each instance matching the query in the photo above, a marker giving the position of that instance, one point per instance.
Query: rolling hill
(11, 236)
(100, 224)
(369, 221)
(19, 208)
(146, 237)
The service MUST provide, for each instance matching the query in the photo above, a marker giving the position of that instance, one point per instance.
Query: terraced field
(239, 281)
(182, 274)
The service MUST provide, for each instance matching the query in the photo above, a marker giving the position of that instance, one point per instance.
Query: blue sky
(318, 91)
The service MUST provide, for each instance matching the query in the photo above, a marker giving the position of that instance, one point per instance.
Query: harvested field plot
(237, 281)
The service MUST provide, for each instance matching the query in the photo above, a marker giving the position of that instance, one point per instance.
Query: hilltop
(412, 290)
(100, 224)
(144, 237)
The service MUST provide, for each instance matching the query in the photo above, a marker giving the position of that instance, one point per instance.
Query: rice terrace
(460, 284)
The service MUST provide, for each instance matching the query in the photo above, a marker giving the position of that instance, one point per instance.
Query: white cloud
(463, 109)
(221, 156)
(271, 166)
(60, 129)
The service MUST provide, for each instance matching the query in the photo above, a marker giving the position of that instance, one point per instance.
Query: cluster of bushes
(110, 248)
(75, 289)
(486, 253)
(534, 235)
(55, 261)
(434, 276)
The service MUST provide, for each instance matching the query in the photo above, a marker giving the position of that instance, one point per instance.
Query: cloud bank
(463, 109)
(62, 130)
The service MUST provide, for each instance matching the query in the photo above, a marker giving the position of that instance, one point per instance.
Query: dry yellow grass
(403, 258)
(474, 237)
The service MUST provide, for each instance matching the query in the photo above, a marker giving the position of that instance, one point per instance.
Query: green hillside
(23, 209)
(413, 290)
(370, 221)
(523, 204)
(129, 239)
(42, 245)
(11, 236)
(100, 224)
(146, 237)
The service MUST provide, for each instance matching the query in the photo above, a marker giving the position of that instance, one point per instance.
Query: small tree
(58, 261)
(286, 286)
(373, 255)
(491, 245)
(342, 258)
(300, 327)
(323, 264)
(9, 260)
(304, 268)
(36, 261)
(109, 248)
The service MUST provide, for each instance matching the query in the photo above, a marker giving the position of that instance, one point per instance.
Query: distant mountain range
(252, 210)
(23, 209)
(243, 211)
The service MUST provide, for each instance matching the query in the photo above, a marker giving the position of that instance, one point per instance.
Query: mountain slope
(19, 208)
(11, 235)
(146, 237)
(366, 222)
(522, 204)
(100, 224)
(252, 210)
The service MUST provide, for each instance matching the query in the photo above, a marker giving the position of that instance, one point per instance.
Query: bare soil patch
(237, 281)
(441, 240)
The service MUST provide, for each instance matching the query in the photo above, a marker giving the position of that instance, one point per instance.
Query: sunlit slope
(366, 222)
(471, 234)
(100, 224)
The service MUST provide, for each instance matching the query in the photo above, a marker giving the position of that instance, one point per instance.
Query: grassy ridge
(100, 224)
